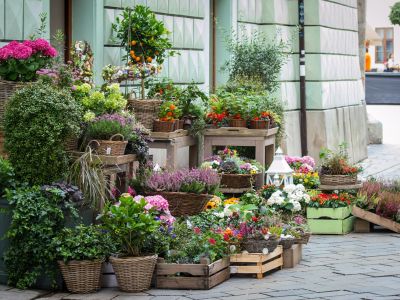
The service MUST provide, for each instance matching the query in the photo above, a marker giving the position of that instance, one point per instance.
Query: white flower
(189, 224)
(227, 211)
(157, 168)
(232, 248)
(296, 206)
(300, 187)
(215, 162)
(219, 215)
(271, 201)
(306, 198)
(289, 188)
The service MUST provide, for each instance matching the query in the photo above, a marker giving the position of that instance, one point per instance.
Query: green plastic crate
(340, 213)
(331, 226)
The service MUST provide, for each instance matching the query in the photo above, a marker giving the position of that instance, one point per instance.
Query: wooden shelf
(108, 160)
(340, 187)
(240, 132)
(168, 135)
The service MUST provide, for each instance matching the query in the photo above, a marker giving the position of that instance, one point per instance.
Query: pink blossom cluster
(26, 49)
(303, 164)
(160, 204)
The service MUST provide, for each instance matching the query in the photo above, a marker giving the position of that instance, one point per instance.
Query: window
(382, 53)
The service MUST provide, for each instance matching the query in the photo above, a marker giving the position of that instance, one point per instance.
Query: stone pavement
(355, 266)
(383, 162)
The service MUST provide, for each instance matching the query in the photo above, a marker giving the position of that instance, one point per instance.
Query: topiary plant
(38, 119)
(394, 15)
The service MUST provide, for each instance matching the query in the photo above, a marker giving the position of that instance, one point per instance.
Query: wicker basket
(81, 276)
(179, 124)
(257, 246)
(259, 124)
(305, 237)
(2, 150)
(7, 89)
(237, 123)
(71, 144)
(134, 273)
(338, 179)
(287, 243)
(146, 110)
(237, 181)
(184, 204)
(110, 147)
(163, 126)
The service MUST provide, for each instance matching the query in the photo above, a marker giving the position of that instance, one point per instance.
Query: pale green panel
(169, 24)
(32, 10)
(112, 56)
(184, 66)
(173, 68)
(141, 2)
(122, 56)
(178, 32)
(1, 19)
(251, 10)
(188, 33)
(115, 3)
(202, 61)
(128, 3)
(243, 11)
(3, 44)
(14, 19)
(265, 11)
(194, 8)
(173, 7)
(290, 70)
(164, 70)
(286, 12)
(247, 30)
(109, 17)
(198, 33)
(193, 63)
(288, 34)
(352, 3)
(153, 4)
(184, 7)
(288, 93)
(163, 6)
(202, 5)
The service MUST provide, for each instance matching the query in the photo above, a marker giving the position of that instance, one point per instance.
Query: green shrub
(38, 120)
(7, 175)
(394, 15)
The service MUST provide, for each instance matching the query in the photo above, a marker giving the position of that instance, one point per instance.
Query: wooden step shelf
(257, 263)
(375, 219)
(240, 131)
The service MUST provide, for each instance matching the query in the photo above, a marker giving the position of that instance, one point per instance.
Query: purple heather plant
(123, 121)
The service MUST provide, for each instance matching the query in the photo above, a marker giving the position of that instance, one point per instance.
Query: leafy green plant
(83, 243)
(394, 15)
(104, 129)
(37, 217)
(162, 88)
(7, 176)
(38, 119)
(130, 224)
(169, 112)
(337, 162)
(191, 101)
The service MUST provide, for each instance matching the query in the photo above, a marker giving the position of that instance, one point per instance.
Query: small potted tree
(168, 118)
(81, 251)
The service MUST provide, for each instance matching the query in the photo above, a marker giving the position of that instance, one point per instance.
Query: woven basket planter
(2, 151)
(338, 179)
(164, 126)
(81, 276)
(184, 204)
(287, 243)
(146, 110)
(110, 147)
(7, 89)
(237, 123)
(71, 144)
(259, 124)
(134, 273)
(257, 246)
(237, 181)
(305, 237)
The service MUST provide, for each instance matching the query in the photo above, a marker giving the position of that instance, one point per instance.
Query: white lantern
(279, 172)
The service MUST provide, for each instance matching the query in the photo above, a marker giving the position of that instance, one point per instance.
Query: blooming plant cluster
(169, 112)
(331, 200)
(217, 116)
(20, 61)
(304, 171)
(104, 127)
(291, 199)
(337, 162)
(113, 74)
(160, 204)
(214, 202)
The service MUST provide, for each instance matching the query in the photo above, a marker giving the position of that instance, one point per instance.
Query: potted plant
(293, 198)
(80, 252)
(218, 114)
(146, 42)
(301, 229)
(336, 169)
(237, 110)
(187, 191)
(305, 172)
(131, 223)
(168, 117)
(103, 132)
(235, 172)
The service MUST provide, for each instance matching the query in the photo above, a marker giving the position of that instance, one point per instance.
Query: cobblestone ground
(355, 266)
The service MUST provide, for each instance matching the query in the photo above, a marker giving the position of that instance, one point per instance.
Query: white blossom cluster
(294, 194)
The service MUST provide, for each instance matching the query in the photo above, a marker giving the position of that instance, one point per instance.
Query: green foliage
(38, 120)
(105, 129)
(83, 243)
(191, 101)
(37, 217)
(394, 15)
(130, 224)
(337, 162)
(195, 187)
(163, 89)
(256, 59)
(7, 176)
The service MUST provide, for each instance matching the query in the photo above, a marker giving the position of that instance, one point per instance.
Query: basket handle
(94, 141)
(117, 135)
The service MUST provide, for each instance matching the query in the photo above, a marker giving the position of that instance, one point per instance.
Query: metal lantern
(279, 172)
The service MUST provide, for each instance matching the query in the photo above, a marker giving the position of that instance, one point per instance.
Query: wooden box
(192, 276)
(330, 220)
(257, 263)
(362, 226)
(339, 213)
(375, 219)
(292, 256)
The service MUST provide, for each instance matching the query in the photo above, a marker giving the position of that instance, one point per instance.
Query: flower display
(218, 114)
(232, 200)
(160, 204)
(334, 200)
(214, 202)
(290, 199)
(337, 162)
(169, 112)
(304, 171)
(118, 74)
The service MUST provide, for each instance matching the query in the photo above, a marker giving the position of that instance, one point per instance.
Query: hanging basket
(237, 181)
(146, 110)
(184, 204)
(164, 126)
(304, 239)
(237, 123)
(259, 124)
(110, 147)
(257, 246)
(81, 276)
(7, 89)
(134, 273)
(338, 179)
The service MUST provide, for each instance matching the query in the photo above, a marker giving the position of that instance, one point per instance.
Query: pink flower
(51, 52)
(159, 202)
(131, 191)
(5, 53)
(40, 45)
(22, 52)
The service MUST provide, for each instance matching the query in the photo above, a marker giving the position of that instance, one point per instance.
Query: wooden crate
(257, 263)
(330, 220)
(339, 213)
(362, 226)
(375, 219)
(192, 276)
(292, 256)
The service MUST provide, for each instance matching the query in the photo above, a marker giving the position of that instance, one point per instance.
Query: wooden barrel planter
(237, 123)
(237, 181)
(259, 124)
(257, 246)
(146, 110)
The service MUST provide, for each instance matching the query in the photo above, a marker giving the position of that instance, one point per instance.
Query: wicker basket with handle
(134, 273)
(110, 147)
(7, 89)
(81, 276)
(338, 179)
(146, 110)
(237, 181)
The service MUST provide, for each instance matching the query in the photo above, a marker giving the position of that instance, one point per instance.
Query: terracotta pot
(237, 123)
